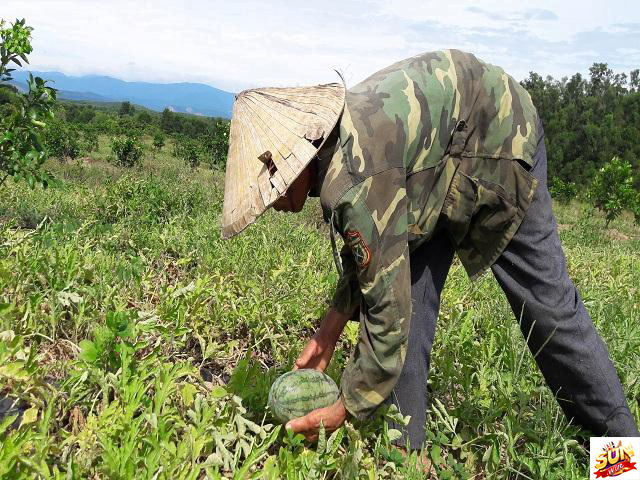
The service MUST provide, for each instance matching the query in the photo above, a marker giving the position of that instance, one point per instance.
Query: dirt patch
(563, 226)
(57, 356)
(617, 235)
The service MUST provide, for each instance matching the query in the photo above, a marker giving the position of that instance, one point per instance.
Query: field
(141, 345)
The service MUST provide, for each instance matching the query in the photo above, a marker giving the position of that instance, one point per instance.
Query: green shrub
(105, 123)
(215, 145)
(128, 151)
(129, 126)
(188, 150)
(158, 140)
(9, 95)
(635, 208)
(89, 139)
(21, 151)
(126, 109)
(612, 189)
(148, 200)
(63, 140)
(562, 191)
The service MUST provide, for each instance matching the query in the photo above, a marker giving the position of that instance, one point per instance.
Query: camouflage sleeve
(347, 295)
(373, 222)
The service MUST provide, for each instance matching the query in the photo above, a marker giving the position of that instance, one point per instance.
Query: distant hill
(196, 98)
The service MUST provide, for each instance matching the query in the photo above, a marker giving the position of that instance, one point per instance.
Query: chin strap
(332, 234)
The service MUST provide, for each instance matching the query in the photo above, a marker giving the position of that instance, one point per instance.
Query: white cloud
(235, 45)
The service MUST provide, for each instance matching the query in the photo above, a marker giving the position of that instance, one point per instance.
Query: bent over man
(437, 154)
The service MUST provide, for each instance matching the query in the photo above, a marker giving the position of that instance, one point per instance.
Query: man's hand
(332, 418)
(318, 352)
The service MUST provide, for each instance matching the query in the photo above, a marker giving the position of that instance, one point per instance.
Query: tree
(168, 121)
(635, 208)
(90, 141)
(158, 140)
(612, 189)
(21, 152)
(126, 109)
(127, 150)
(601, 78)
(188, 150)
(563, 192)
(144, 118)
(62, 140)
(215, 144)
(634, 80)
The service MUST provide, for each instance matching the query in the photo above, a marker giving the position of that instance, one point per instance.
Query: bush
(127, 150)
(188, 150)
(62, 140)
(562, 191)
(89, 139)
(126, 109)
(22, 154)
(144, 118)
(635, 208)
(149, 200)
(215, 145)
(612, 189)
(129, 126)
(9, 95)
(158, 140)
(105, 123)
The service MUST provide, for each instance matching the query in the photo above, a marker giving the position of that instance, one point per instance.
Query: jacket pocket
(484, 207)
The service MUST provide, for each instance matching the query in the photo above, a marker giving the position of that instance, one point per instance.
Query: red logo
(360, 249)
(614, 460)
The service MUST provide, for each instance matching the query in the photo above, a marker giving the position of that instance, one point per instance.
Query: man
(436, 154)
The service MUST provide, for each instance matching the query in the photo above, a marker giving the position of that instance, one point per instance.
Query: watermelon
(296, 393)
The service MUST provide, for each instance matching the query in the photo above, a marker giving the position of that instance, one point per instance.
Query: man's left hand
(332, 418)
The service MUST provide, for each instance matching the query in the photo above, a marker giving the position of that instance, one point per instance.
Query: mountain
(194, 98)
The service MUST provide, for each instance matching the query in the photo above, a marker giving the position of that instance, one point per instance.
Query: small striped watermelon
(296, 393)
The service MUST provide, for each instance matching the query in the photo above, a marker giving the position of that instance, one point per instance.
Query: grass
(141, 345)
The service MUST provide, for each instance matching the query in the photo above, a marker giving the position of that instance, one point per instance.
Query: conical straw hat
(286, 125)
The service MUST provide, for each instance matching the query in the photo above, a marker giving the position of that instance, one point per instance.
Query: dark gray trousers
(532, 273)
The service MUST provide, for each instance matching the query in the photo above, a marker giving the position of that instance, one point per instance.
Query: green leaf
(69, 298)
(29, 416)
(88, 351)
(487, 454)
(119, 323)
(436, 454)
(394, 434)
(218, 392)
(188, 393)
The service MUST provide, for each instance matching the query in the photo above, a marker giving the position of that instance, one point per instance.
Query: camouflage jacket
(441, 140)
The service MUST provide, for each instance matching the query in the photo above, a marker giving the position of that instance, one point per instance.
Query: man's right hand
(318, 352)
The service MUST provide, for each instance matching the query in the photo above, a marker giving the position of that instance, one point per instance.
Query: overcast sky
(241, 44)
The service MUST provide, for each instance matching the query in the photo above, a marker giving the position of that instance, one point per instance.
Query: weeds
(135, 343)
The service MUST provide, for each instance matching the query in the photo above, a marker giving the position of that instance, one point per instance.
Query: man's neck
(322, 160)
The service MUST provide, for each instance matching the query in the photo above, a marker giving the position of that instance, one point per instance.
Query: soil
(618, 235)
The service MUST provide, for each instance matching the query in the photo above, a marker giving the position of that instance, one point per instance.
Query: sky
(235, 45)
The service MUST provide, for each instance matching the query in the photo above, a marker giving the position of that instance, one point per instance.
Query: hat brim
(285, 125)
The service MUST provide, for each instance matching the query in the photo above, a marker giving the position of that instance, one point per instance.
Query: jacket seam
(355, 184)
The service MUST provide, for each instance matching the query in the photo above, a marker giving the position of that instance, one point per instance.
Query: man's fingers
(303, 424)
(300, 361)
(297, 425)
